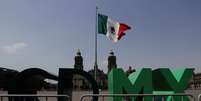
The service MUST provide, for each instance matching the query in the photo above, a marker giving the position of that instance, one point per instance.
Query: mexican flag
(113, 30)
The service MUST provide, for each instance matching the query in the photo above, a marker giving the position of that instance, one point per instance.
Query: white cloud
(14, 48)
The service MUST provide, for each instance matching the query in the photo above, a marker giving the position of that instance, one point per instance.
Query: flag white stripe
(115, 25)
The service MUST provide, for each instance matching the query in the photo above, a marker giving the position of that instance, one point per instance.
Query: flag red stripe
(122, 29)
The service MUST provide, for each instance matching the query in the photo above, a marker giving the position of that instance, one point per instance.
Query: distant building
(78, 61)
(78, 81)
(111, 61)
(101, 78)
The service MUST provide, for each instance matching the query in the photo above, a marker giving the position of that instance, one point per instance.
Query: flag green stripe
(102, 24)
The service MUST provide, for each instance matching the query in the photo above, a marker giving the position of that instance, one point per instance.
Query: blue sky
(47, 33)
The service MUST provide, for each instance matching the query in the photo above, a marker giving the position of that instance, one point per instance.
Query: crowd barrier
(83, 98)
(199, 97)
(36, 97)
(101, 97)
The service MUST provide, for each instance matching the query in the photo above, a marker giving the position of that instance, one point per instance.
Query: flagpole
(95, 63)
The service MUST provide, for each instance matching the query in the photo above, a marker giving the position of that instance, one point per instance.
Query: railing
(53, 97)
(199, 97)
(138, 95)
(36, 97)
